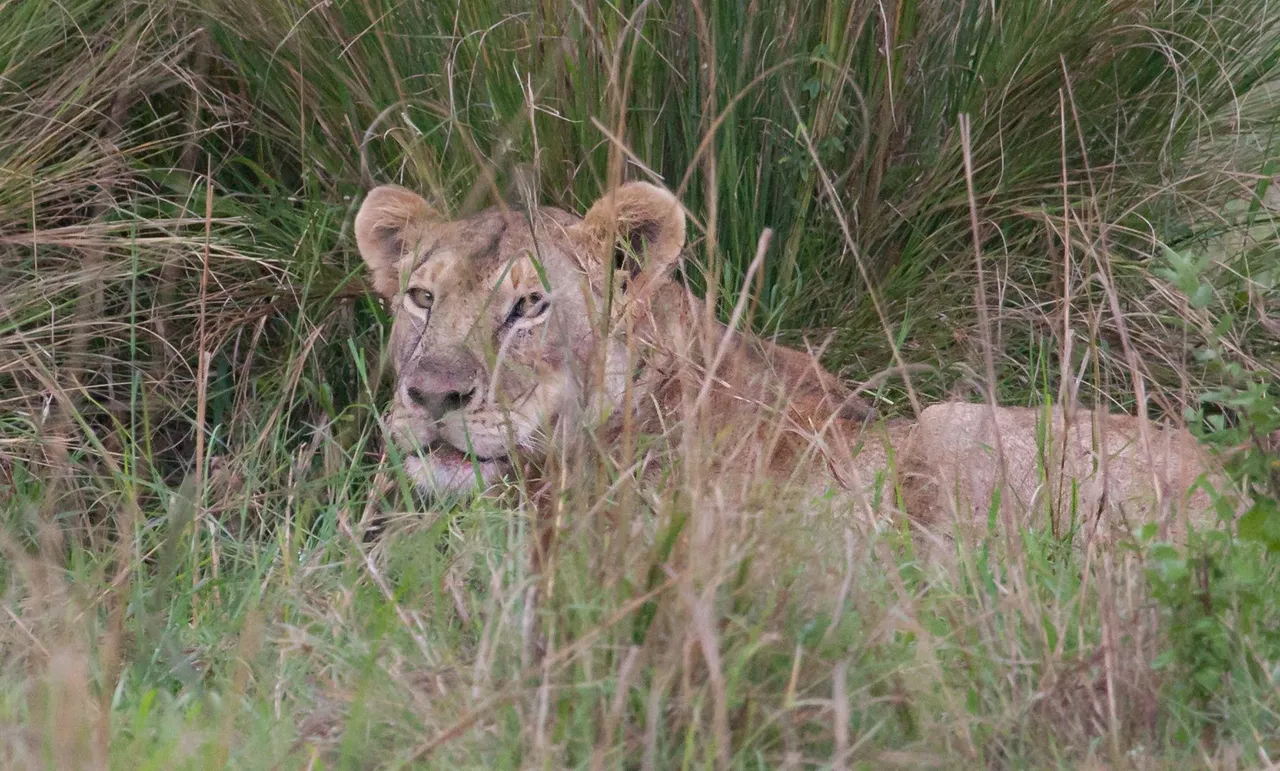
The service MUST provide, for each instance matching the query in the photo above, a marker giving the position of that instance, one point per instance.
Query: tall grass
(1097, 127)
(186, 579)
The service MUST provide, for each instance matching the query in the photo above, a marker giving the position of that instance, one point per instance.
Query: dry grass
(188, 580)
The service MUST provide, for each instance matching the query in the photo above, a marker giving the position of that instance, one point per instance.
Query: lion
(515, 329)
(497, 341)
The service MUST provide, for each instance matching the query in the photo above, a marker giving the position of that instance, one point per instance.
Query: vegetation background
(190, 391)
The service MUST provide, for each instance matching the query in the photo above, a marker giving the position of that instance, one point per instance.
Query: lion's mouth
(438, 465)
(439, 468)
(443, 452)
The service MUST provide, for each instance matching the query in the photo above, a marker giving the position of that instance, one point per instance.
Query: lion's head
(497, 319)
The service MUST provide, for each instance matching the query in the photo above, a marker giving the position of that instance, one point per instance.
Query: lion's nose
(435, 401)
(441, 382)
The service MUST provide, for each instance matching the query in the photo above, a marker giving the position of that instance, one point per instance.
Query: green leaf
(1261, 524)
(1223, 326)
(1202, 296)
(1179, 263)
(1050, 632)
(1209, 678)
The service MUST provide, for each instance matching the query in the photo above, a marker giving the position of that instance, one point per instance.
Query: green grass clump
(191, 379)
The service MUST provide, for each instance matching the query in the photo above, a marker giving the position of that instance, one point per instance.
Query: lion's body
(752, 405)
(516, 331)
(1086, 472)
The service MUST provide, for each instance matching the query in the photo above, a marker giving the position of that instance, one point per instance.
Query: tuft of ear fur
(388, 227)
(645, 227)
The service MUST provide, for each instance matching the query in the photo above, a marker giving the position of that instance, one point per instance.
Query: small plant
(1249, 443)
(1240, 418)
(1217, 595)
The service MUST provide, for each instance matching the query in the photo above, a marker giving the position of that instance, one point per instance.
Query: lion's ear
(638, 227)
(388, 227)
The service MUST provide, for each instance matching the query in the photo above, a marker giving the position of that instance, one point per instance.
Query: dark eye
(531, 306)
(421, 298)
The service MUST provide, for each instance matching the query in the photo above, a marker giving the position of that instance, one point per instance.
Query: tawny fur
(756, 411)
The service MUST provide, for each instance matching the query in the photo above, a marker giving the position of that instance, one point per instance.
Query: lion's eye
(421, 298)
(530, 306)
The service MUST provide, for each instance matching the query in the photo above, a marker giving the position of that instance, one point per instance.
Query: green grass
(186, 578)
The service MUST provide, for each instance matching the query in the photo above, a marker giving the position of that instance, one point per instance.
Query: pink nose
(437, 396)
(440, 382)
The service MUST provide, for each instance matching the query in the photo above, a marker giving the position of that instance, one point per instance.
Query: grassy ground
(187, 579)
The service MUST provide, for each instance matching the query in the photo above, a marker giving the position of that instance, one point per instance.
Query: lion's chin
(442, 470)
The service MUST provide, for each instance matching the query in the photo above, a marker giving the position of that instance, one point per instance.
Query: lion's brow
(491, 246)
(487, 250)
(422, 259)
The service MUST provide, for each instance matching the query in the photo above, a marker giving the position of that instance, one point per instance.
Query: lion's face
(497, 320)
